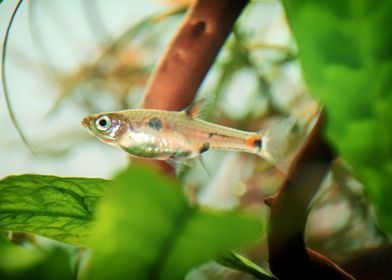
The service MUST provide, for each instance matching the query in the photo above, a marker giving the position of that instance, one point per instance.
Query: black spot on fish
(214, 134)
(204, 148)
(155, 123)
(258, 143)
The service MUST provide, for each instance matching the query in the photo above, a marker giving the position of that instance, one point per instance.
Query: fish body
(168, 135)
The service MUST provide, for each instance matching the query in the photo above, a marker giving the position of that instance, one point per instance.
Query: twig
(289, 257)
(5, 83)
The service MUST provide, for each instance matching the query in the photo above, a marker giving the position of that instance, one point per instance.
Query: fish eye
(103, 123)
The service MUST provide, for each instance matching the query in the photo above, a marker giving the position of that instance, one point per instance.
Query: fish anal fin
(203, 164)
(180, 165)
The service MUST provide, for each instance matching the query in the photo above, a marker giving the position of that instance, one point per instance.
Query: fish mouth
(86, 122)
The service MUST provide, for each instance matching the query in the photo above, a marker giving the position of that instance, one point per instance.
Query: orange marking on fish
(254, 141)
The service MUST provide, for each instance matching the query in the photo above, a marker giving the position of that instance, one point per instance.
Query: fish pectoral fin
(179, 161)
(180, 165)
(196, 109)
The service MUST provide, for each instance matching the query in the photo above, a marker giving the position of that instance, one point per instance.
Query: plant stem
(288, 256)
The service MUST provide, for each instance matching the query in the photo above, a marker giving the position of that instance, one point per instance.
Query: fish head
(107, 127)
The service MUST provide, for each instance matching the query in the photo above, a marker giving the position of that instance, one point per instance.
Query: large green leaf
(145, 229)
(58, 208)
(345, 51)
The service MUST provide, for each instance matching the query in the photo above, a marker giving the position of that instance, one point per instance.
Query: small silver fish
(173, 136)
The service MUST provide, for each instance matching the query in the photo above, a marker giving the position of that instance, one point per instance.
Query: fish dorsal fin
(197, 107)
(194, 109)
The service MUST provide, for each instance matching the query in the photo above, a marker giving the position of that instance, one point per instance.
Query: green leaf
(19, 263)
(345, 51)
(151, 232)
(241, 263)
(54, 207)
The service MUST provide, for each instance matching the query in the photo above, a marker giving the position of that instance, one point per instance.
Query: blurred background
(81, 57)
(73, 58)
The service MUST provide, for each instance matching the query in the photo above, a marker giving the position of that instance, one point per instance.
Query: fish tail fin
(276, 143)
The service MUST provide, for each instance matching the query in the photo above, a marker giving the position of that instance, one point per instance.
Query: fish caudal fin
(276, 144)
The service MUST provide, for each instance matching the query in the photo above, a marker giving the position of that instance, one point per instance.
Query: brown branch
(182, 68)
(191, 53)
(288, 256)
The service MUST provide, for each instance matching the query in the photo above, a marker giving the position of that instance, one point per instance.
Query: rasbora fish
(181, 135)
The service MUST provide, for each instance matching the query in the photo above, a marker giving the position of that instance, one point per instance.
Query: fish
(181, 135)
